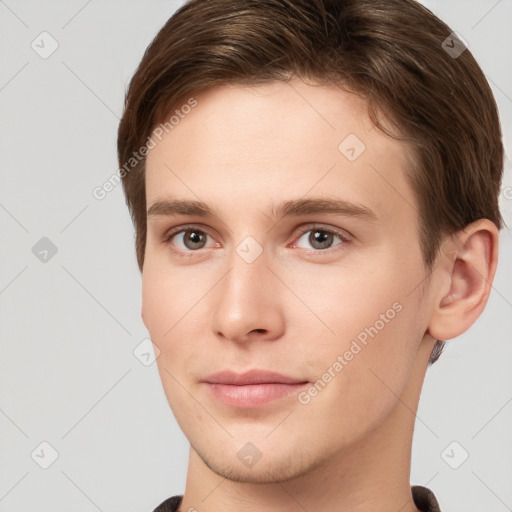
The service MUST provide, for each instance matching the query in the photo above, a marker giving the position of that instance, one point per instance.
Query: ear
(470, 272)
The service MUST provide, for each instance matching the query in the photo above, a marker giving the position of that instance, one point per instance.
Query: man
(314, 189)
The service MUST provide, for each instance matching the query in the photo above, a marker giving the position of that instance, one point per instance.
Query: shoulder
(169, 505)
(425, 499)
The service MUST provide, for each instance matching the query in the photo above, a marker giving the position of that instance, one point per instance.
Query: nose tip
(246, 305)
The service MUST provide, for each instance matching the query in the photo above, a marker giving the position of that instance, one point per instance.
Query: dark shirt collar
(423, 498)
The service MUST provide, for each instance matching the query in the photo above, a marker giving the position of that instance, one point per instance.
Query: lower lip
(253, 395)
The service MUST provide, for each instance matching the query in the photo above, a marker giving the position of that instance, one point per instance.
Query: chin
(274, 469)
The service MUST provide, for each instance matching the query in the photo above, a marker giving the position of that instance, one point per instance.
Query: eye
(321, 238)
(187, 239)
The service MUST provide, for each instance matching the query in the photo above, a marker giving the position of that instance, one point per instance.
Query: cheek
(164, 295)
(367, 314)
(345, 299)
(362, 370)
(165, 316)
(173, 308)
(154, 302)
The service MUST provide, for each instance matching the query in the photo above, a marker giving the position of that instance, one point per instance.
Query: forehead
(278, 141)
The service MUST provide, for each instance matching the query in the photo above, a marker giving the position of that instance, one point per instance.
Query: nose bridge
(247, 282)
(246, 300)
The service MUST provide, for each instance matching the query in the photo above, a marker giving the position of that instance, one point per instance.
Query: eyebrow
(294, 207)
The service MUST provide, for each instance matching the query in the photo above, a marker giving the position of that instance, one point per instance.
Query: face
(304, 260)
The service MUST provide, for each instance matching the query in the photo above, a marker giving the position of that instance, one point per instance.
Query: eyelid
(184, 227)
(342, 233)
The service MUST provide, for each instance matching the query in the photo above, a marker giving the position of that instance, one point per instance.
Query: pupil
(320, 238)
(194, 239)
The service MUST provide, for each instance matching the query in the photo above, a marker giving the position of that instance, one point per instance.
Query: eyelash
(169, 236)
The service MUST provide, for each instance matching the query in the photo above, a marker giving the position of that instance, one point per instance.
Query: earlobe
(471, 272)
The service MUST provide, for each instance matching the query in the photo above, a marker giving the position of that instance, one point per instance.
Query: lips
(251, 377)
(251, 389)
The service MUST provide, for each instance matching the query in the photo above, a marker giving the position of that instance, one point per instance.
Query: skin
(297, 307)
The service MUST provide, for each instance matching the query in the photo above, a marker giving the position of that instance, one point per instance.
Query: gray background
(69, 325)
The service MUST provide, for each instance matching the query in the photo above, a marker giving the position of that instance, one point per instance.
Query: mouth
(251, 389)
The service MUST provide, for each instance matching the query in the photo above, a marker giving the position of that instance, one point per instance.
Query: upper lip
(250, 377)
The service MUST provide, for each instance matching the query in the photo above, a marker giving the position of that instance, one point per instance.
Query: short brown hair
(391, 52)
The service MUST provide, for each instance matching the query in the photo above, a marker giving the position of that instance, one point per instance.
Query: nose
(248, 302)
